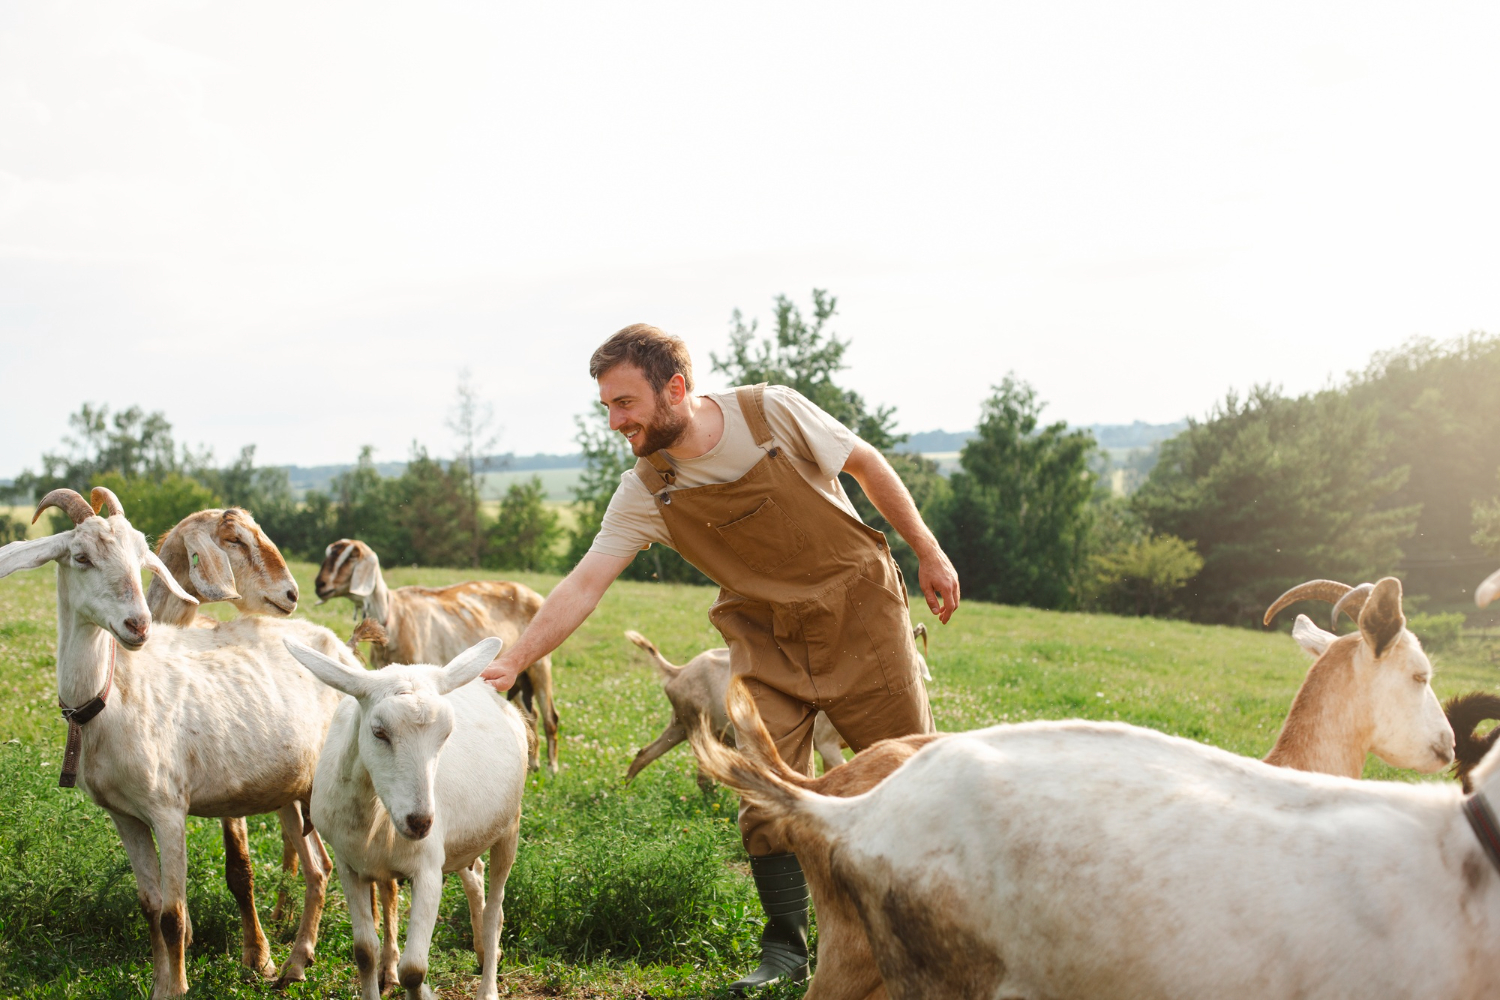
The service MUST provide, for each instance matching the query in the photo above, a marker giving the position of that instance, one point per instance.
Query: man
(744, 484)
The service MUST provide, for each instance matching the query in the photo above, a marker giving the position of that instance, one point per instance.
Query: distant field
(618, 891)
(557, 482)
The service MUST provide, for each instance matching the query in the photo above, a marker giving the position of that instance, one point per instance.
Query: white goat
(223, 555)
(422, 772)
(1099, 860)
(435, 624)
(1488, 590)
(698, 687)
(205, 722)
(1368, 692)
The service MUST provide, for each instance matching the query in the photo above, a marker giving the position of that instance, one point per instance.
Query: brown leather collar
(1482, 818)
(76, 717)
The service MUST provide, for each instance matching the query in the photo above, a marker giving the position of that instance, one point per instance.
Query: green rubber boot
(783, 943)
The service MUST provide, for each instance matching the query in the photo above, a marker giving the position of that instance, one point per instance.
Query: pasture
(617, 891)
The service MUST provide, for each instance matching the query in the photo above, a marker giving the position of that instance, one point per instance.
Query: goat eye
(380, 734)
(83, 560)
(1419, 678)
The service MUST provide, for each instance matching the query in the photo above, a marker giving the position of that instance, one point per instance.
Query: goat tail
(667, 667)
(757, 786)
(1465, 712)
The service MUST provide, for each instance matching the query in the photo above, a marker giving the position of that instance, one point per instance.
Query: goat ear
(29, 554)
(1311, 638)
(330, 671)
(208, 563)
(153, 562)
(1381, 622)
(366, 572)
(1488, 590)
(467, 665)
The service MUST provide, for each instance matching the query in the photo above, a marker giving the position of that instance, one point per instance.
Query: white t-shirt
(817, 445)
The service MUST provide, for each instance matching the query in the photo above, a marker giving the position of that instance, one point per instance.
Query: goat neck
(377, 605)
(82, 650)
(1328, 728)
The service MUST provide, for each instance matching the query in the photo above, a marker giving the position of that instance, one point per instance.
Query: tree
(154, 505)
(1486, 517)
(1017, 520)
(470, 420)
(1274, 491)
(806, 358)
(525, 531)
(1437, 406)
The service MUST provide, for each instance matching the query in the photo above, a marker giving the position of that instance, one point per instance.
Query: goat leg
(140, 848)
(389, 951)
(472, 878)
(288, 866)
(171, 846)
(240, 874)
(426, 892)
(362, 930)
(316, 878)
(669, 738)
(502, 856)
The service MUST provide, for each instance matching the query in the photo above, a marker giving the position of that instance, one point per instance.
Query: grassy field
(618, 891)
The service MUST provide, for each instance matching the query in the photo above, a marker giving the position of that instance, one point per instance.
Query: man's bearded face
(664, 429)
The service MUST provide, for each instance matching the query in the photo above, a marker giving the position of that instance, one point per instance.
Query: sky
(295, 224)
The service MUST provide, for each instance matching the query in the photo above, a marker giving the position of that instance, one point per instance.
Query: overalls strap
(752, 400)
(654, 473)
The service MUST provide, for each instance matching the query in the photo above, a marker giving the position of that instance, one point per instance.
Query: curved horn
(68, 501)
(1313, 590)
(101, 496)
(1352, 604)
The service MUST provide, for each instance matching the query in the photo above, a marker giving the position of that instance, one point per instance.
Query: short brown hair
(658, 355)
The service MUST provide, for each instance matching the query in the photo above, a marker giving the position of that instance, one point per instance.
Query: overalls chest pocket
(764, 538)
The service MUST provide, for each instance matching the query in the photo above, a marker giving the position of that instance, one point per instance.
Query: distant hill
(1115, 437)
(319, 477)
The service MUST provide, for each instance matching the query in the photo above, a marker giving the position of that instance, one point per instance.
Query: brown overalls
(811, 604)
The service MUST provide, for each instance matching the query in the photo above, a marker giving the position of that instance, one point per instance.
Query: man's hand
(939, 581)
(502, 675)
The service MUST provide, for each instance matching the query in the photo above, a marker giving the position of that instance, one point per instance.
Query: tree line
(1394, 470)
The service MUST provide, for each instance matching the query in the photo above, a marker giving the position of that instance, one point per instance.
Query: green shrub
(1437, 631)
(525, 531)
(154, 505)
(1141, 576)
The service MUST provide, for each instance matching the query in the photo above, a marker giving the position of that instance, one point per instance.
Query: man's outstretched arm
(936, 576)
(570, 602)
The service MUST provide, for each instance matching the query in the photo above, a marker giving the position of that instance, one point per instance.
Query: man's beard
(665, 430)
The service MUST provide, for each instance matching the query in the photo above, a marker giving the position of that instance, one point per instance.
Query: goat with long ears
(1368, 692)
(422, 773)
(217, 722)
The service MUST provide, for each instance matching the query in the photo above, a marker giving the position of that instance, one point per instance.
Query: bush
(1437, 631)
(1142, 576)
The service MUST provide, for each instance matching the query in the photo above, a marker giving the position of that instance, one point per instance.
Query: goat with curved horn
(103, 497)
(1352, 604)
(69, 502)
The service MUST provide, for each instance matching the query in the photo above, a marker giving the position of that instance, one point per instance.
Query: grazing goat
(223, 555)
(422, 773)
(435, 624)
(205, 722)
(1368, 692)
(1099, 860)
(1465, 712)
(698, 687)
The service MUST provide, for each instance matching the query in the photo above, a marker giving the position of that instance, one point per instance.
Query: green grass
(616, 892)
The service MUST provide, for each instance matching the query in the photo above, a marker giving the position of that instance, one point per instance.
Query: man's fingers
(932, 603)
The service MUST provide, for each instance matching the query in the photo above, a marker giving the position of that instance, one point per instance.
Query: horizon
(298, 238)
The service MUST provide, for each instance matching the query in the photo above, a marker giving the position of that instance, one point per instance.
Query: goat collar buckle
(76, 717)
(1482, 818)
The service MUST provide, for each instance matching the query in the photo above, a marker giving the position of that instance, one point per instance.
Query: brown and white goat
(1099, 860)
(698, 687)
(222, 555)
(435, 624)
(1368, 692)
